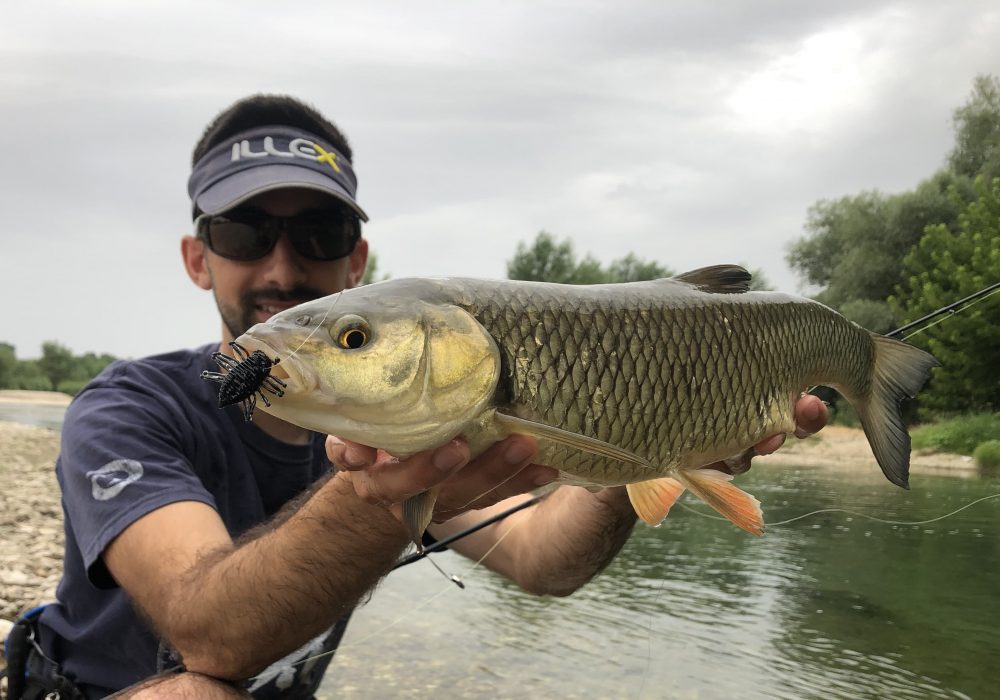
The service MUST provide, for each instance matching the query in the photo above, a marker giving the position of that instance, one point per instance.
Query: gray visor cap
(270, 158)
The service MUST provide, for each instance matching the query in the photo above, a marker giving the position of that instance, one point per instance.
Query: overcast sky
(688, 134)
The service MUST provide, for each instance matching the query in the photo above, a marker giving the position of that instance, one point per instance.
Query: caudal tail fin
(900, 371)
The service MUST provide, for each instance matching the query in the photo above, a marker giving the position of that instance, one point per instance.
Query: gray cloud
(685, 133)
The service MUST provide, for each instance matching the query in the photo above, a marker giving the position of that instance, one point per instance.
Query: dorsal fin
(720, 279)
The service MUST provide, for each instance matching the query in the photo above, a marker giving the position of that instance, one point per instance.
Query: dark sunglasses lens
(317, 235)
(326, 236)
(239, 240)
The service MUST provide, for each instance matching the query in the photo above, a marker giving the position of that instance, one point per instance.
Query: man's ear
(358, 261)
(193, 252)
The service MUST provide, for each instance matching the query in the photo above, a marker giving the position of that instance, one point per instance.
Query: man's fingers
(348, 455)
(811, 415)
(390, 480)
(502, 471)
(771, 444)
(475, 494)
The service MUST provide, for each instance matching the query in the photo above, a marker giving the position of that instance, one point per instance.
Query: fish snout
(286, 366)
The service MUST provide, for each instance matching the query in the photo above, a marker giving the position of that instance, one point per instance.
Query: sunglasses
(250, 234)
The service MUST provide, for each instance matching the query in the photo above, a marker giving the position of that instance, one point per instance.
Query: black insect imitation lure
(245, 379)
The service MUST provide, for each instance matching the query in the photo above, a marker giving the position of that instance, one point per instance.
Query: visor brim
(236, 189)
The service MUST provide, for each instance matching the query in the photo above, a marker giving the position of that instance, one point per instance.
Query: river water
(834, 605)
(830, 606)
(41, 415)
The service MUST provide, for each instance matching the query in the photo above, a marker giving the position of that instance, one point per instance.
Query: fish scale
(589, 372)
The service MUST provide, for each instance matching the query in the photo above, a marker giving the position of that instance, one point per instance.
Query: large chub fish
(641, 384)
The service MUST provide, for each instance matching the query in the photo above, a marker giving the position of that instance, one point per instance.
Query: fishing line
(451, 577)
(649, 637)
(484, 493)
(419, 606)
(855, 513)
(952, 313)
(445, 541)
(954, 307)
(318, 325)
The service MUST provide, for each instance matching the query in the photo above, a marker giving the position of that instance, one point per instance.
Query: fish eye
(353, 338)
(303, 320)
(351, 332)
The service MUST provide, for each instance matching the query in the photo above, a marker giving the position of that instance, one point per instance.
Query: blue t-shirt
(143, 434)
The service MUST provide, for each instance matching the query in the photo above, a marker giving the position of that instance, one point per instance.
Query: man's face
(250, 292)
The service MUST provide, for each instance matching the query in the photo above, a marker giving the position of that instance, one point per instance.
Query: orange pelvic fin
(714, 487)
(652, 499)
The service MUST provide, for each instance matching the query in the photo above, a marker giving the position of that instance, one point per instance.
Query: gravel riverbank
(31, 535)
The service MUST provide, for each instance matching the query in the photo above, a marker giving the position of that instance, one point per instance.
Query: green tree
(89, 365)
(58, 369)
(855, 245)
(57, 362)
(632, 269)
(8, 366)
(977, 131)
(545, 260)
(759, 281)
(943, 267)
(549, 260)
(877, 316)
(31, 377)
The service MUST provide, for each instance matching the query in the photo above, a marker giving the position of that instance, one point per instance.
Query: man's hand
(502, 471)
(810, 416)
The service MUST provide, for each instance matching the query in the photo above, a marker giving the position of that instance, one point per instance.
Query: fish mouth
(293, 373)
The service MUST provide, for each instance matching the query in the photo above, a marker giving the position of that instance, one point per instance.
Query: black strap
(31, 675)
(16, 652)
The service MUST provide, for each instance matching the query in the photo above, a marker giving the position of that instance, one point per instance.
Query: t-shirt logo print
(108, 481)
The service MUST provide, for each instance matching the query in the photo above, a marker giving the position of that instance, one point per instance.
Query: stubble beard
(241, 318)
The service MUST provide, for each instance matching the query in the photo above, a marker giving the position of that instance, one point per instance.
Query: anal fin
(715, 489)
(653, 499)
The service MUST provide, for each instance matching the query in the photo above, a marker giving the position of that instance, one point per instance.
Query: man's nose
(285, 268)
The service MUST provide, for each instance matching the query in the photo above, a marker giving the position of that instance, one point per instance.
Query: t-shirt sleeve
(124, 454)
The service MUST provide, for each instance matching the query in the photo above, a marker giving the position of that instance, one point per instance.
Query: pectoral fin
(652, 499)
(564, 437)
(714, 487)
(417, 513)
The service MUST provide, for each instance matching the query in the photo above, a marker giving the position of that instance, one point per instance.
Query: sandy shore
(42, 398)
(838, 446)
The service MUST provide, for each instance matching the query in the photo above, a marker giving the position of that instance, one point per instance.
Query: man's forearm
(245, 606)
(570, 537)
